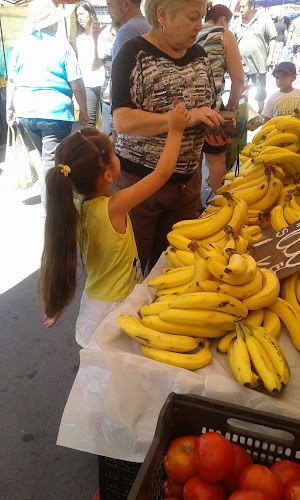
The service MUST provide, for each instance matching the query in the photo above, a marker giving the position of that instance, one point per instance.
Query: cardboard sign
(279, 252)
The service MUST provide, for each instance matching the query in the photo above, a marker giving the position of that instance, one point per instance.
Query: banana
(280, 158)
(243, 182)
(188, 361)
(209, 225)
(231, 358)
(239, 216)
(290, 214)
(288, 291)
(170, 280)
(186, 257)
(273, 121)
(178, 241)
(268, 294)
(168, 270)
(223, 344)
(253, 230)
(281, 139)
(294, 147)
(169, 262)
(154, 308)
(241, 244)
(262, 133)
(202, 317)
(290, 318)
(218, 201)
(255, 382)
(278, 221)
(223, 273)
(237, 263)
(240, 292)
(210, 250)
(289, 123)
(156, 323)
(258, 237)
(289, 189)
(241, 360)
(133, 327)
(271, 323)
(255, 317)
(164, 298)
(270, 198)
(243, 158)
(210, 301)
(261, 362)
(172, 258)
(274, 352)
(298, 290)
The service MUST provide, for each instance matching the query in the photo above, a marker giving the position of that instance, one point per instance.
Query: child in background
(287, 99)
(86, 165)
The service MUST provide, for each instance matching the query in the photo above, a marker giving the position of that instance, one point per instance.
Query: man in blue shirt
(43, 75)
(127, 16)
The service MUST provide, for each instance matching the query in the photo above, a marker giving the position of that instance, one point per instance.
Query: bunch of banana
(290, 291)
(256, 357)
(288, 212)
(261, 317)
(289, 316)
(209, 228)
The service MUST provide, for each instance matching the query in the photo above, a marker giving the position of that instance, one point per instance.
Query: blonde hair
(170, 6)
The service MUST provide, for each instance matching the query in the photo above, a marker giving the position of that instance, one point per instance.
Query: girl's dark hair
(87, 153)
(89, 8)
(214, 13)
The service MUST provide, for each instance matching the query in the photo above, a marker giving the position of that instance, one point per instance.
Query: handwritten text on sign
(279, 252)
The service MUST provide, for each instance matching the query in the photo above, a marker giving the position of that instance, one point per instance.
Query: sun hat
(286, 66)
(43, 13)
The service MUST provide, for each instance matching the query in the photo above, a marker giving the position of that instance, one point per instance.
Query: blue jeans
(46, 135)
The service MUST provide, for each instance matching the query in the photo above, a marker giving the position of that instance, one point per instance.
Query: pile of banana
(269, 178)
(255, 357)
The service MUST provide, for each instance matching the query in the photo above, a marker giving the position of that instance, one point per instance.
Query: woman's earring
(162, 27)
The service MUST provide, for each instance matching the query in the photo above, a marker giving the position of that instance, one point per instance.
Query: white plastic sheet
(117, 395)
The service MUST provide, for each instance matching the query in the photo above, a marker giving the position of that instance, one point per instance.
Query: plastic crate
(181, 415)
(116, 478)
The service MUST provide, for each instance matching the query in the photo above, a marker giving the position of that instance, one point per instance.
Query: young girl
(86, 165)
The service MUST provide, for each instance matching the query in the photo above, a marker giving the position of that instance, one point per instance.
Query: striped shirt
(211, 39)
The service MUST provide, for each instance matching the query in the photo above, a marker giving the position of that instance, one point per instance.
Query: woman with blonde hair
(150, 74)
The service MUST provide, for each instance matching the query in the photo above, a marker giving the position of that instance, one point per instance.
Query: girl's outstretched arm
(126, 199)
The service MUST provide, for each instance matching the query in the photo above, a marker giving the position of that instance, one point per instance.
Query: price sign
(279, 252)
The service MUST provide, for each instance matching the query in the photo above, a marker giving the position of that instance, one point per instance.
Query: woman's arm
(234, 68)
(78, 90)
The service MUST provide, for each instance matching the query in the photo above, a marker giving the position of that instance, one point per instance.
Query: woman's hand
(96, 28)
(215, 139)
(211, 117)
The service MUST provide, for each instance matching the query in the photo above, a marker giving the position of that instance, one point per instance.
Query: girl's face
(182, 28)
(83, 17)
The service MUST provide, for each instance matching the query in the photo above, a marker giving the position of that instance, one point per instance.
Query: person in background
(90, 51)
(150, 74)
(86, 165)
(43, 74)
(281, 39)
(287, 99)
(222, 50)
(294, 38)
(256, 37)
(127, 18)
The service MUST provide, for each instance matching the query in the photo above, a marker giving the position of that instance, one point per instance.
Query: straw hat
(43, 13)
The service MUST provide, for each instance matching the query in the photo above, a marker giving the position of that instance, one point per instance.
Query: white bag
(20, 172)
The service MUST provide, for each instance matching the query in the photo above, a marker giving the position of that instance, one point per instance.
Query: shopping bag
(254, 119)
(20, 172)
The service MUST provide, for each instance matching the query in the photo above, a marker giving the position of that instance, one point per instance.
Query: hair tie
(65, 169)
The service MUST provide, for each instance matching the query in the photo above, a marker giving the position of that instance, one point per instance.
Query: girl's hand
(178, 118)
(211, 117)
(96, 28)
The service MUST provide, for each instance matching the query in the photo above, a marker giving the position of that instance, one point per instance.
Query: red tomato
(259, 477)
(179, 460)
(250, 495)
(197, 489)
(214, 457)
(172, 489)
(292, 491)
(286, 470)
(241, 460)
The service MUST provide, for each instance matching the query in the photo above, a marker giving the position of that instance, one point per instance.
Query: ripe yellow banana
(212, 301)
(254, 318)
(154, 308)
(134, 328)
(267, 294)
(274, 352)
(290, 318)
(178, 241)
(289, 189)
(298, 290)
(271, 323)
(240, 292)
(237, 263)
(203, 317)
(262, 133)
(156, 323)
(253, 230)
(188, 361)
(289, 123)
(288, 290)
(241, 244)
(223, 344)
(207, 226)
(253, 193)
(243, 182)
(270, 198)
(261, 362)
(239, 216)
(281, 139)
(209, 250)
(186, 257)
(223, 273)
(170, 280)
(278, 221)
(241, 360)
(290, 214)
(281, 158)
